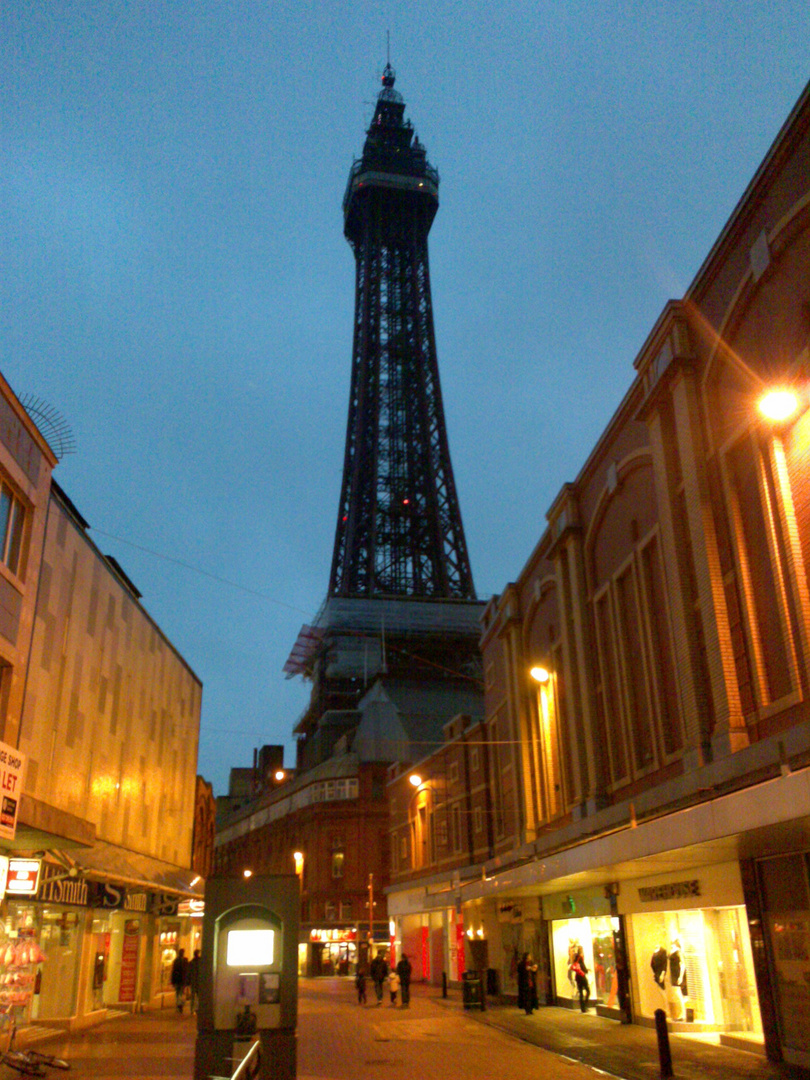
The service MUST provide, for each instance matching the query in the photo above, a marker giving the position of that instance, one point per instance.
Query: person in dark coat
(404, 972)
(194, 981)
(179, 978)
(522, 980)
(360, 984)
(379, 973)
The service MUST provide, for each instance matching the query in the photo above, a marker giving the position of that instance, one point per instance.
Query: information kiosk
(248, 975)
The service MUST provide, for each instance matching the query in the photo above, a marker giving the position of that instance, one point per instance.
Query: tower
(399, 531)
(401, 605)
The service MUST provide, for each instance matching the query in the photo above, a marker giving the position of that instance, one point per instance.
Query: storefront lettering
(137, 902)
(107, 896)
(64, 891)
(675, 890)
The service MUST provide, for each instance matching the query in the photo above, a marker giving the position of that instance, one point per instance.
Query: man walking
(179, 978)
(404, 972)
(379, 973)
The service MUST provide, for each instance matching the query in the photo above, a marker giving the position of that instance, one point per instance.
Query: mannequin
(677, 981)
(658, 963)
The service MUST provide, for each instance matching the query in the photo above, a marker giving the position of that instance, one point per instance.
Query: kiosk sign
(12, 763)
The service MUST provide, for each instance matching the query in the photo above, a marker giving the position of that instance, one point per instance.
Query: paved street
(435, 1039)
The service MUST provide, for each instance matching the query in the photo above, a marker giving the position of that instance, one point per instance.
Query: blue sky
(176, 283)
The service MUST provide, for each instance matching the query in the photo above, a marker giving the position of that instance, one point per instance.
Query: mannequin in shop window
(658, 963)
(677, 982)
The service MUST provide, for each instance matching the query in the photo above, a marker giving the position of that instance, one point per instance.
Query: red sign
(460, 948)
(23, 877)
(129, 961)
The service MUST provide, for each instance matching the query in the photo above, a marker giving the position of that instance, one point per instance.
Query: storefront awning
(116, 865)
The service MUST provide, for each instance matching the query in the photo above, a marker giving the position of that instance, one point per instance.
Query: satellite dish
(54, 427)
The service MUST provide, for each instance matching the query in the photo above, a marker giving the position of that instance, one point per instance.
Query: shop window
(12, 520)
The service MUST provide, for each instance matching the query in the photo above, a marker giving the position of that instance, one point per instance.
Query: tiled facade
(647, 675)
(111, 714)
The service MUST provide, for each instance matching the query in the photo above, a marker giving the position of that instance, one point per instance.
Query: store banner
(129, 961)
(12, 765)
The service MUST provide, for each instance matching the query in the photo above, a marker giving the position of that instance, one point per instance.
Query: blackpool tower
(400, 617)
(399, 530)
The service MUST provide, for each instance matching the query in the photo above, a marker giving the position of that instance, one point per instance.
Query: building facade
(102, 715)
(650, 666)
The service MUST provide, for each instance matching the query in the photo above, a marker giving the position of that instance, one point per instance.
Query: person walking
(194, 981)
(522, 981)
(404, 972)
(360, 984)
(393, 985)
(581, 976)
(379, 973)
(530, 1001)
(179, 978)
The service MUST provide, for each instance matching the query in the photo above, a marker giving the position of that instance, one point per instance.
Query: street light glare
(415, 780)
(778, 405)
(539, 674)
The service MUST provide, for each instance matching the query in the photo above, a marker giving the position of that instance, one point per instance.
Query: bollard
(664, 1055)
(444, 984)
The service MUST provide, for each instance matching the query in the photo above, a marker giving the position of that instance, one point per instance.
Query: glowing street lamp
(415, 779)
(540, 674)
(779, 404)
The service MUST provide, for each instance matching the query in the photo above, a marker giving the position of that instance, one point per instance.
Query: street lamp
(540, 674)
(779, 404)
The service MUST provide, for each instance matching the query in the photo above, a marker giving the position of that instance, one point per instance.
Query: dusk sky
(175, 281)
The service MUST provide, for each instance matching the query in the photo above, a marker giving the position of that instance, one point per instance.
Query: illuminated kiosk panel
(250, 948)
(248, 972)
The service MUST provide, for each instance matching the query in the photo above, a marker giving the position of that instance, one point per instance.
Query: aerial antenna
(57, 431)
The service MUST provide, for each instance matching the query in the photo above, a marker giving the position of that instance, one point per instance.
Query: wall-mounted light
(540, 674)
(779, 404)
(298, 859)
(415, 779)
(280, 774)
(247, 873)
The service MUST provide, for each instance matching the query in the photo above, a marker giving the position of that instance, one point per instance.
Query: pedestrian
(379, 973)
(179, 978)
(194, 981)
(360, 984)
(393, 985)
(404, 972)
(530, 1001)
(522, 981)
(581, 977)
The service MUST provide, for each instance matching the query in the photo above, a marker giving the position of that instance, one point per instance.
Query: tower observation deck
(399, 530)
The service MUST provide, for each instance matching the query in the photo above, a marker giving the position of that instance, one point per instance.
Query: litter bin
(472, 992)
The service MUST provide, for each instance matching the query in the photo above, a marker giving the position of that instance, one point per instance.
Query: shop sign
(673, 890)
(194, 908)
(165, 905)
(333, 934)
(23, 877)
(12, 763)
(136, 901)
(59, 889)
(108, 897)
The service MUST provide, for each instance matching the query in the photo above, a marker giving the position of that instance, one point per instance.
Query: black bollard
(664, 1055)
(444, 984)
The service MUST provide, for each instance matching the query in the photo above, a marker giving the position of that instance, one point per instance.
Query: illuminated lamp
(540, 674)
(779, 404)
(415, 779)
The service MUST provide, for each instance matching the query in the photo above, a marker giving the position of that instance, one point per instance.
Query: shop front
(331, 951)
(584, 924)
(690, 951)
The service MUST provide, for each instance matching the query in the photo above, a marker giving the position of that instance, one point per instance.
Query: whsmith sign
(98, 894)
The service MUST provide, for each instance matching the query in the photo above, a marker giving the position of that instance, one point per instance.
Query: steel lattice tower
(399, 530)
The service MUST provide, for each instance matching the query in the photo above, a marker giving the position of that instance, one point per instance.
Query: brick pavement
(435, 1039)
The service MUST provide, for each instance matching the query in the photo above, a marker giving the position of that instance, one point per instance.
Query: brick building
(647, 676)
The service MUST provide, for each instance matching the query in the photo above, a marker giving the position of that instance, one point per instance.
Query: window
(337, 864)
(346, 910)
(454, 772)
(478, 820)
(456, 826)
(330, 911)
(403, 849)
(12, 518)
(474, 759)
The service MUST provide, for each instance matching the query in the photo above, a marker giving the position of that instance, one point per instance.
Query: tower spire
(399, 530)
